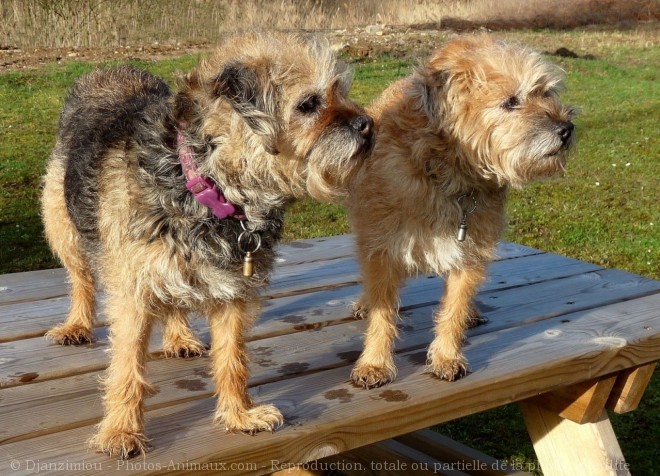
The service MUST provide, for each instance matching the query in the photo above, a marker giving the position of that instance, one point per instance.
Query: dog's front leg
(230, 324)
(121, 432)
(381, 279)
(445, 356)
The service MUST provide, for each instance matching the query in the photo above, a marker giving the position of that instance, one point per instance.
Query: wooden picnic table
(565, 338)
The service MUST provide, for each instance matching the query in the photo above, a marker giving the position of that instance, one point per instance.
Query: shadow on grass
(24, 246)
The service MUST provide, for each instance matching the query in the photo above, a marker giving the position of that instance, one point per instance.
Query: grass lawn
(605, 210)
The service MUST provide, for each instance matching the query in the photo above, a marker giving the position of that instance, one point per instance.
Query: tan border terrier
(174, 201)
(478, 117)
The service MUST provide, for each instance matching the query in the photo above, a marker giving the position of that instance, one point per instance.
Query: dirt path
(364, 42)
(356, 42)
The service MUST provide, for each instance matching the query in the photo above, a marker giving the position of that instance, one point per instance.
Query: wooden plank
(70, 402)
(38, 285)
(509, 366)
(566, 448)
(546, 299)
(309, 310)
(529, 269)
(445, 449)
(508, 250)
(629, 388)
(315, 249)
(32, 285)
(41, 360)
(46, 284)
(31, 319)
(581, 403)
(286, 281)
(308, 277)
(311, 276)
(24, 320)
(49, 283)
(273, 358)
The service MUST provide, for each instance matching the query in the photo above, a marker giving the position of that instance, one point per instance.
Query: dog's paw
(252, 421)
(476, 319)
(370, 376)
(360, 311)
(70, 335)
(123, 444)
(448, 369)
(183, 347)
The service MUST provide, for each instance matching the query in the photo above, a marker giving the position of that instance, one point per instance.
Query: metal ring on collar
(470, 210)
(246, 238)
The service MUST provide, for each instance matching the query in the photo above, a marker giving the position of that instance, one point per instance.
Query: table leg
(565, 448)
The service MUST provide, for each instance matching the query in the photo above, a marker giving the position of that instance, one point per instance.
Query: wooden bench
(565, 338)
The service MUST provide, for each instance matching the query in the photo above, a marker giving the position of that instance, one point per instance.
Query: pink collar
(203, 188)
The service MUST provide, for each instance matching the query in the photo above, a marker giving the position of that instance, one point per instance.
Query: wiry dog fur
(268, 119)
(478, 117)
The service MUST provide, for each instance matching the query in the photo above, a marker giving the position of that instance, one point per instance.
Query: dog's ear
(251, 93)
(430, 86)
(186, 99)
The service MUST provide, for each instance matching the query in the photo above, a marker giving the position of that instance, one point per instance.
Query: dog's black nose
(565, 130)
(362, 124)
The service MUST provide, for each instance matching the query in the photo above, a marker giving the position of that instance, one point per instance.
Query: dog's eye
(511, 103)
(309, 105)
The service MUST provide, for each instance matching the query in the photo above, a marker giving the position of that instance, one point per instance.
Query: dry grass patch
(84, 23)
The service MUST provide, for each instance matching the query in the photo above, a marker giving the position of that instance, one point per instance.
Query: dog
(477, 118)
(174, 201)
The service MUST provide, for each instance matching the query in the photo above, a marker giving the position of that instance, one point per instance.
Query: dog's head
(500, 104)
(276, 108)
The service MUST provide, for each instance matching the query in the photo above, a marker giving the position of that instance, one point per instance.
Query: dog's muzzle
(364, 126)
(565, 131)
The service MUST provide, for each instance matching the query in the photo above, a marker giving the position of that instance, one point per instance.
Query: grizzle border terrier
(478, 117)
(174, 203)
